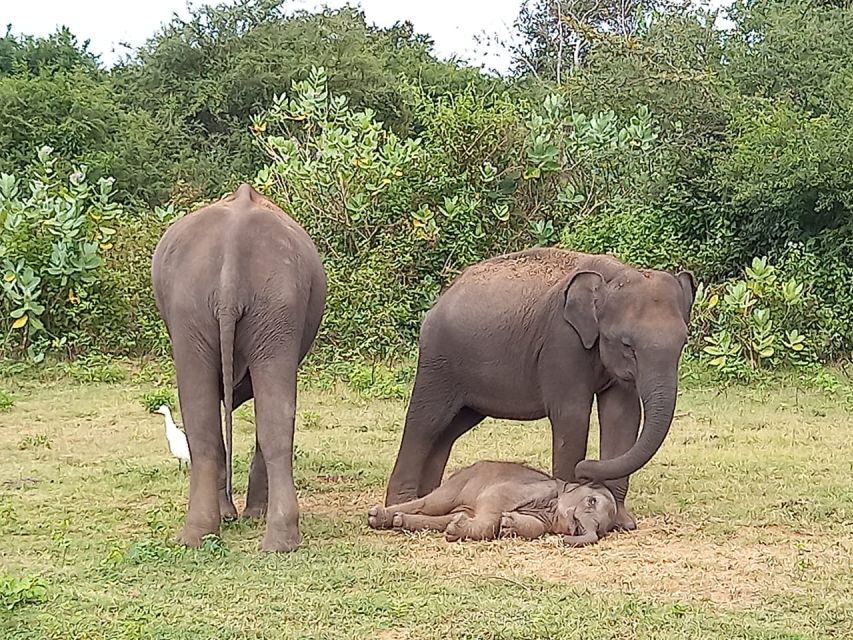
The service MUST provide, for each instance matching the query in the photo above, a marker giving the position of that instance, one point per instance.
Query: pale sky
(454, 25)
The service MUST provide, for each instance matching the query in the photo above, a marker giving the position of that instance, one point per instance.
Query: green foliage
(752, 323)
(7, 400)
(823, 265)
(150, 551)
(15, 592)
(153, 400)
(55, 231)
(59, 52)
(638, 235)
(202, 79)
(95, 367)
(640, 130)
(397, 218)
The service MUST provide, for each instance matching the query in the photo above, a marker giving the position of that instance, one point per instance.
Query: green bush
(95, 367)
(752, 323)
(640, 235)
(56, 230)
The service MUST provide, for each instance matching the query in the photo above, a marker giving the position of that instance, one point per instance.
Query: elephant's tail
(227, 329)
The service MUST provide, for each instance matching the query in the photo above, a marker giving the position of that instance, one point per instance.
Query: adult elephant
(242, 290)
(541, 333)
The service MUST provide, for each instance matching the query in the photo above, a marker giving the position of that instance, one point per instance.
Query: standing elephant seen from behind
(242, 290)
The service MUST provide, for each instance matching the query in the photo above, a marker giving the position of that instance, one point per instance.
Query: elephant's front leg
(483, 526)
(258, 491)
(521, 525)
(569, 433)
(619, 420)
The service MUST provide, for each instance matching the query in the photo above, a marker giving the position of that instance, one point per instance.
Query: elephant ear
(579, 309)
(688, 293)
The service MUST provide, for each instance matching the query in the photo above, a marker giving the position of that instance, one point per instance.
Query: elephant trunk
(658, 395)
(589, 537)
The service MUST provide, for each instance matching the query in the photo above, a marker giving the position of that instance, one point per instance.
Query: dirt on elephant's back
(545, 265)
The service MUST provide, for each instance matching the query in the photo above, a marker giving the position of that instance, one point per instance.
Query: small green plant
(310, 420)
(7, 400)
(158, 519)
(151, 550)
(152, 400)
(60, 539)
(213, 545)
(376, 381)
(39, 441)
(8, 518)
(543, 232)
(15, 592)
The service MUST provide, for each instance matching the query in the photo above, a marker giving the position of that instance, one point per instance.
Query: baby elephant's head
(585, 513)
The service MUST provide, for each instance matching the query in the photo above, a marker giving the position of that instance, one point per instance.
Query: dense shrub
(752, 323)
(396, 218)
(56, 230)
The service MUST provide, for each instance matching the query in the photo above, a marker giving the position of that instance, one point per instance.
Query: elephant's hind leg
(436, 461)
(198, 388)
(426, 442)
(483, 526)
(274, 382)
(438, 503)
(411, 522)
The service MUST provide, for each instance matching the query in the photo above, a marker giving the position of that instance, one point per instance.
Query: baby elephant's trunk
(588, 537)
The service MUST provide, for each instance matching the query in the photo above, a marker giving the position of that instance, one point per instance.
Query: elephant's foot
(509, 525)
(192, 536)
(624, 520)
(455, 530)
(227, 510)
(281, 539)
(255, 511)
(378, 517)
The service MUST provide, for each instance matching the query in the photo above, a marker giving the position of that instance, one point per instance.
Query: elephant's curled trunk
(658, 396)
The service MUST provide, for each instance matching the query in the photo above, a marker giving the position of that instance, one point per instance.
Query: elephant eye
(591, 500)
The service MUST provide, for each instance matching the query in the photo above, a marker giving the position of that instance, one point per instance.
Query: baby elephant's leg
(519, 525)
(483, 526)
(412, 522)
(379, 517)
(438, 503)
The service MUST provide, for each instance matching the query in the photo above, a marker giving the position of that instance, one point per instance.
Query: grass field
(746, 530)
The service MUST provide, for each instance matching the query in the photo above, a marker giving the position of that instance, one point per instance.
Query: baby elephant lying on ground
(501, 499)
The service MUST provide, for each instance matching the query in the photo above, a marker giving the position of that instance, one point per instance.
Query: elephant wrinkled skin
(504, 499)
(541, 333)
(242, 291)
